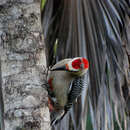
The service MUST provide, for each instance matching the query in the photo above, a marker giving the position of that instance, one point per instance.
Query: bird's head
(78, 65)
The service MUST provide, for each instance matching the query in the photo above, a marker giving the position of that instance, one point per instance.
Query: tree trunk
(23, 66)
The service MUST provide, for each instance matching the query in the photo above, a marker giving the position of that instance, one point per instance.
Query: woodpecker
(63, 90)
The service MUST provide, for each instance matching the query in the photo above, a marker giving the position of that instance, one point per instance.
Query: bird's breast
(59, 83)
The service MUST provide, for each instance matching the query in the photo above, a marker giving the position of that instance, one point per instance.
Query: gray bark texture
(23, 66)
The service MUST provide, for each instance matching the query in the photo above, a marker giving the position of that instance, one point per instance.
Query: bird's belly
(61, 93)
(60, 83)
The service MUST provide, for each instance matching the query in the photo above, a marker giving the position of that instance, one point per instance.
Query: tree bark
(23, 66)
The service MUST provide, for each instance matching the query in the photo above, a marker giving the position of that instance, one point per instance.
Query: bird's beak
(59, 68)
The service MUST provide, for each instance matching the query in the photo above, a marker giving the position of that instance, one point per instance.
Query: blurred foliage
(89, 123)
(43, 4)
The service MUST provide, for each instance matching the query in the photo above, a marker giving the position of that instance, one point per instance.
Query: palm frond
(92, 29)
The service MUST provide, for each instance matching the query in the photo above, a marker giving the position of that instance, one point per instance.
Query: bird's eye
(76, 64)
(86, 64)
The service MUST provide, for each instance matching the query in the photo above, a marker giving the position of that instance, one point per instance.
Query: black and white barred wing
(76, 90)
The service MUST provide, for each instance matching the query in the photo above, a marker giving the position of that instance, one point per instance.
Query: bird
(96, 30)
(62, 88)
